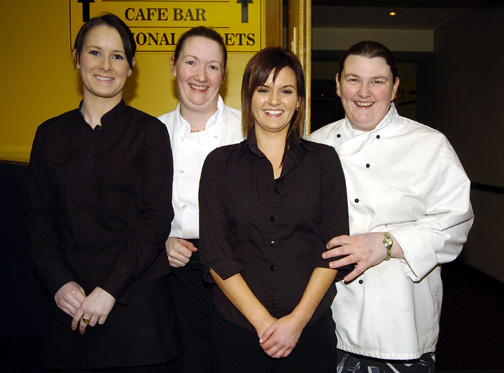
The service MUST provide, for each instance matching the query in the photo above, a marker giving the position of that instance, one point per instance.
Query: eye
(353, 80)
(287, 91)
(190, 63)
(94, 53)
(213, 67)
(117, 57)
(378, 82)
(262, 90)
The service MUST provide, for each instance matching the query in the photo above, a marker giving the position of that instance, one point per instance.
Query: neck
(197, 119)
(273, 147)
(93, 108)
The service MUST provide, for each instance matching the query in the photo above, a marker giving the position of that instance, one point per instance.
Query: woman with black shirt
(267, 207)
(98, 213)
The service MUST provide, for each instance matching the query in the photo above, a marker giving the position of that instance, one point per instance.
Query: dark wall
(459, 93)
(24, 301)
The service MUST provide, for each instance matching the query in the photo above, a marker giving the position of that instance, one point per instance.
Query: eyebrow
(100, 48)
(372, 78)
(196, 58)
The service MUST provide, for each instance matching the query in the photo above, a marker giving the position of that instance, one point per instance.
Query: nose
(364, 90)
(273, 98)
(201, 74)
(106, 64)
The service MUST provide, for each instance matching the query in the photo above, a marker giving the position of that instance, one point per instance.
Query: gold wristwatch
(388, 242)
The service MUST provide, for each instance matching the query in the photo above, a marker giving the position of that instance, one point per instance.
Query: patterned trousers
(348, 362)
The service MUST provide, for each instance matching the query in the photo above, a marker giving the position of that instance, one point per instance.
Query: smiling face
(102, 63)
(200, 72)
(366, 88)
(274, 102)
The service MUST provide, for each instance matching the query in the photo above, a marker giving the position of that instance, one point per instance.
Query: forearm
(320, 281)
(238, 292)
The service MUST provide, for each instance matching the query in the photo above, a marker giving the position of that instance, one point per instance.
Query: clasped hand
(84, 310)
(281, 337)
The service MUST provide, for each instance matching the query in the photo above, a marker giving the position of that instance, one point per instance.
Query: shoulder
(231, 118)
(326, 134)
(226, 152)
(421, 134)
(140, 116)
(168, 118)
(232, 113)
(58, 125)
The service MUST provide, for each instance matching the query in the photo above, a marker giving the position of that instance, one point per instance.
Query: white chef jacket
(405, 178)
(189, 152)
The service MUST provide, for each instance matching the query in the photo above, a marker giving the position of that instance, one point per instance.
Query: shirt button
(272, 218)
(181, 171)
(368, 165)
(181, 139)
(356, 200)
(216, 136)
(272, 243)
(361, 282)
(378, 137)
(272, 268)
(184, 206)
(338, 135)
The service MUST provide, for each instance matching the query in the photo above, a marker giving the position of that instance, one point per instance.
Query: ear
(224, 76)
(338, 85)
(76, 59)
(133, 62)
(172, 66)
(394, 89)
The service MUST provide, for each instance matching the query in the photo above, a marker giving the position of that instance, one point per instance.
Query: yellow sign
(157, 25)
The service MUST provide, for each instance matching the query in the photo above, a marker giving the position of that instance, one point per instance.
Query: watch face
(387, 241)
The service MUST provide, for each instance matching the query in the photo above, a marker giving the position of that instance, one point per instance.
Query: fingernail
(260, 340)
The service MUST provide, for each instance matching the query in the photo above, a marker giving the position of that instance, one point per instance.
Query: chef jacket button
(368, 165)
(378, 137)
(184, 206)
(361, 282)
(356, 200)
(338, 135)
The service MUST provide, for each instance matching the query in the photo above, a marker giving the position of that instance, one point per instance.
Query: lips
(198, 87)
(364, 104)
(273, 112)
(103, 78)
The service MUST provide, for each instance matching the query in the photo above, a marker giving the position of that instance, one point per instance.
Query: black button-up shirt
(271, 231)
(99, 201)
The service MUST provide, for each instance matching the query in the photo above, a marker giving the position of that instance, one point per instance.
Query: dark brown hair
(257, 71)
(111, 20)
(370, 49)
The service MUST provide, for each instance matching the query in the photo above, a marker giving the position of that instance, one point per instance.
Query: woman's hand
(179, 251)
(94, 309)
(69, 298)
(280, 338)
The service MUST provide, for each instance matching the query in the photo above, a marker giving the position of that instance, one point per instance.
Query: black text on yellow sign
(157, 25)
